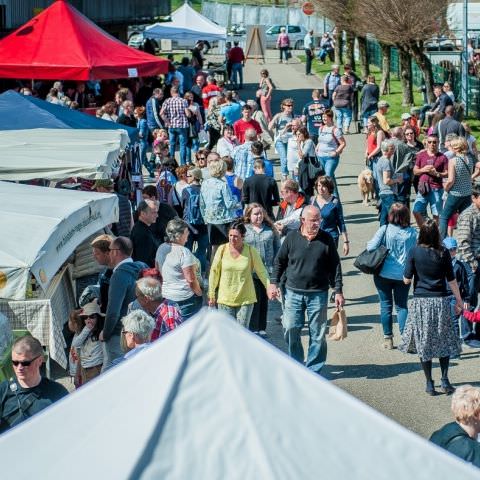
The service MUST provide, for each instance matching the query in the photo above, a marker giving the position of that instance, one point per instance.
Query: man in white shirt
(309, 51)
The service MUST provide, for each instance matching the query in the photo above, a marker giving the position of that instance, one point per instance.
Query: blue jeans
(193, 145)
(344, 118)
(330, 164)
(237, 73)
(201, 237)
(189, 307)
(315, 305)
(386, 202)
(452, 205)
(367, 114)
(389, 292)
(467, 328)
(432, 198)
(182, 135)
(281, 148)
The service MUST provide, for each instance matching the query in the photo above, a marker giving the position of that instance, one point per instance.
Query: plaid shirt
(468, 236)
(167, 317)
(174, 111)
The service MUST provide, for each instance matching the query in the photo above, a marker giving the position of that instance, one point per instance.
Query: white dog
(365, 184)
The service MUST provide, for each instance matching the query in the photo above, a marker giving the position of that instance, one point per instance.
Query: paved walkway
(389, 381)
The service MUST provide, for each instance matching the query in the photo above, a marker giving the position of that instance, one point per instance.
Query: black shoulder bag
(372, 262)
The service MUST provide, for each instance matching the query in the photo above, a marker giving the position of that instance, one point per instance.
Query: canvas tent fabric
(41, 228)
(186, 24)
(21, 112)
(62, 44)
(212, 401)
(59, 154)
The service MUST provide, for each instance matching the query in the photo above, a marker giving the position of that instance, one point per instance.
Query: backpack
(191, 206)
(164, 187)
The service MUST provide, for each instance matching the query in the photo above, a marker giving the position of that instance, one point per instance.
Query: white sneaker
(263, 333)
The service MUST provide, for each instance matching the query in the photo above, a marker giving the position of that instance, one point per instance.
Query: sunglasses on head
(24, 363)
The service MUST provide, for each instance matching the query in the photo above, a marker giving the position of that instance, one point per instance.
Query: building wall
(103, 12)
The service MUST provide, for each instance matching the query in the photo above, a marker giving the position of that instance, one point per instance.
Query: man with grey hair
(309, 263)
(136, 333)
(165, 312)
(144, 243)
(27, 392)
(242, 155)
(387, 180)
(121, 292)
(446, 126)
(403, 161)
(126, 117)
(330, 83)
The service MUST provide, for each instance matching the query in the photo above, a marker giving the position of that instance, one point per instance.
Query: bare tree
(406, 24)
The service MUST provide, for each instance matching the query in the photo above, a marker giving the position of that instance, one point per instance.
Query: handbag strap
(384, 236)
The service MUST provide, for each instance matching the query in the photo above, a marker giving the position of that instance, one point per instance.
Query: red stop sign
(308, 8)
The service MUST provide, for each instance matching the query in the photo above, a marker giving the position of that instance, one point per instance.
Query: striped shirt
(468, 236)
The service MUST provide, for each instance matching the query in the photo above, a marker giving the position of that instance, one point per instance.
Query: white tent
(41, 228)
(58, 154)
(212, 401)
(186, 24)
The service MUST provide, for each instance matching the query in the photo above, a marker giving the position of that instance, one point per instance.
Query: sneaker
(262, 333)
(388, 343)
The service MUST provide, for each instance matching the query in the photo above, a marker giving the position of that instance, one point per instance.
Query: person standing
(369, 97)
(144, 243)
(447, 125)
(330, 83)
(153, 107)
(283, 45)
(312, 114)
(342, 101)
(264, 93)
(310, 263)
(430, 330)
(175, 113)
(245, 123)
(309, 51)
(126, 117)
(237, 60)
(381, 114)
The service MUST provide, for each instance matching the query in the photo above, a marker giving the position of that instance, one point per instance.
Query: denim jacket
(399, 241)
(266, 242)
(217, 203)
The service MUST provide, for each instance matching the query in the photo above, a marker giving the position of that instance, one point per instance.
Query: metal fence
(441, 74)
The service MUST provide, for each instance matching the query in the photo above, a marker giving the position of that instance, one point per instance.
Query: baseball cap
(450, 243)
(383, 103)
(406, 116)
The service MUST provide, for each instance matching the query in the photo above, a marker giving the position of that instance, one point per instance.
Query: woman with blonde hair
(458, 184)
(460, 437)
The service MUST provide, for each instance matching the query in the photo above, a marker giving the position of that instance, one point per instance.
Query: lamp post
(465, 57)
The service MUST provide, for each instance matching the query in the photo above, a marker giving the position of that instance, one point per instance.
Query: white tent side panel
(212, 401)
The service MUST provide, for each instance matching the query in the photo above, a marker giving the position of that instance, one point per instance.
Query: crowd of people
(214, 229)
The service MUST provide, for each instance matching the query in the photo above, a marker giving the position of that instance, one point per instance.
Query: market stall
(42, 227)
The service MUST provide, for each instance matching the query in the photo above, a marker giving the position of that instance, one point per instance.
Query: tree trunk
(350, 50)
(425, 65)
(406, 77)
(338, 47)
(363, 54)
(386, 57)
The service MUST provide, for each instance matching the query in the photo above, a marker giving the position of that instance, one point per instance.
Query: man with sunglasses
(27, 392)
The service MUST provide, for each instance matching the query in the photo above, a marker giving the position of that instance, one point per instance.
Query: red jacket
(472, 316)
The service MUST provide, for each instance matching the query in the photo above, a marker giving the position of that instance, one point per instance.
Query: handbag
(338, 325)
(372, 262)
(314, 167)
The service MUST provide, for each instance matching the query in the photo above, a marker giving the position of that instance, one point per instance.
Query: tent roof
(212, 401)
(42, 227)
(61, 43)
(186, 24)
(38, 113)
(59, 154)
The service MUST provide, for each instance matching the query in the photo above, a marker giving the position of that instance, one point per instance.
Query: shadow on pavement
(334, 372)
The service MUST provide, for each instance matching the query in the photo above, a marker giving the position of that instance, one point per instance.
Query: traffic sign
(308, 8)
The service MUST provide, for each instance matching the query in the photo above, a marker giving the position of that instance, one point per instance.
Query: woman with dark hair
(331, 211)
(87, 345)
(234, 263)
(261, 234)
(264, 93)
(399, 237)
(430, 330)
(307, 155)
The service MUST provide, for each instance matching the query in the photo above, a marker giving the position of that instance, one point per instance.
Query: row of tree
(404, 24)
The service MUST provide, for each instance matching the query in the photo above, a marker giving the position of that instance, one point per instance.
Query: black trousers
(258, 320)
(308, 61)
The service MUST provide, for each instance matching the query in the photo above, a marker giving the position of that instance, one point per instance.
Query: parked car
(295, 32)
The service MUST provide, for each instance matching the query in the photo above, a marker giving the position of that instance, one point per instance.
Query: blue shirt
(399, 242)
(332, 217)
(231, 113)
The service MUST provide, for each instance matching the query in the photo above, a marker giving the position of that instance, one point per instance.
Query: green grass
(395, 97)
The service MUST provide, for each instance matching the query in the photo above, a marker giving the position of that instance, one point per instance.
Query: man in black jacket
(144, 243)
(309, 260)
(261, 189)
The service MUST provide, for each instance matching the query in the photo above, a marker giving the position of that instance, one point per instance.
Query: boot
(427, 370)
(446, 386)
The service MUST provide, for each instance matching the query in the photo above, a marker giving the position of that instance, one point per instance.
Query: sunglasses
(24, 363)
(84, 317)
(408, 133)
(432, 143)
(201, 158)
(288, 105)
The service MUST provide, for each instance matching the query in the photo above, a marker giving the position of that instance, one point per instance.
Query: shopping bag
(338, 325)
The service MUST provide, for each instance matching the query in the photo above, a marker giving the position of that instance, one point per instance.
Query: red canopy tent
(62, 44)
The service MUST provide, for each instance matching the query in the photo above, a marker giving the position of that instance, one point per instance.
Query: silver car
(296, 33)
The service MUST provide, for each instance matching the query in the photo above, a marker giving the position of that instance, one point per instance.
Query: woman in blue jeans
(329, 147)
(399, 237)
(459, 183)
(281, 125)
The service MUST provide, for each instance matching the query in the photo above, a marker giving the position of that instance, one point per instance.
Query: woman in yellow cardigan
(231, 272)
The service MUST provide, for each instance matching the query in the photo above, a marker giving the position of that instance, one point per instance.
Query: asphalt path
(389, 381)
